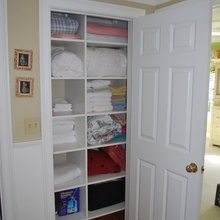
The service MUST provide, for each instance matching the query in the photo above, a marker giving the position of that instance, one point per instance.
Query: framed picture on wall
(24, 87)
(23, 59)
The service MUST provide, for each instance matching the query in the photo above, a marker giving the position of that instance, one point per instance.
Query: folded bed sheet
(107, 22)
(106, 30)
(106, 62)
(66, 64)
(106, 38)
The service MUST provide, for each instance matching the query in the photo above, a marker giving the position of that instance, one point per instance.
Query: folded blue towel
(119, 106)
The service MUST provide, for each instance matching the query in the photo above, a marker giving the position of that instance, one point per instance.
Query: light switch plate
(32, 125)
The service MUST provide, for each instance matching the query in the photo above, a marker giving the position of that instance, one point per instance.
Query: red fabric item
(69, 36)
(100, 163)
(93, 28)
(117, 154)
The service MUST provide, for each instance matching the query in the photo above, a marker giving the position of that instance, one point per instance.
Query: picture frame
(24, 87)
(23, 59)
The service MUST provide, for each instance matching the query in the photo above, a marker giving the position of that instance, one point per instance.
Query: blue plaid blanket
(63, 24)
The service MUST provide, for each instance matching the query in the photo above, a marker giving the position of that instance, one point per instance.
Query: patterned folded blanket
(63, 24)
(102, 129)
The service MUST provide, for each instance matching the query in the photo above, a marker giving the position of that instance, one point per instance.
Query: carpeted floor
(114, 216)
(211, 178)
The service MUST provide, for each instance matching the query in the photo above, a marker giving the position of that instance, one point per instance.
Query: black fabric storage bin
(106, 194)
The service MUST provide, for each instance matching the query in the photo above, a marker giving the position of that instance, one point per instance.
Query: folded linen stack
(61, 105)
(107, 30)
(98, 96)
(106, 62)
(64, 173)
(64, 131)
(102, 129)
(119, 119)
(119, 97)
(64, 26)
(65, 63)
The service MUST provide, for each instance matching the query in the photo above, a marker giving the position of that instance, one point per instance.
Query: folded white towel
(99, 108)
(65, 173)
(61, 110)
(99, 103)
(102, 94)
(61, 104)
(98, 84)
(63, 122)
(97, 99)
(67, 137)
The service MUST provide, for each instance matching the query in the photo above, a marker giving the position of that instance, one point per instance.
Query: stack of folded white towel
(61, 105)
(64, 131)
(64, 173)
(99, 96)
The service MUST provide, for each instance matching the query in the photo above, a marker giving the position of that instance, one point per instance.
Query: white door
(170, 78)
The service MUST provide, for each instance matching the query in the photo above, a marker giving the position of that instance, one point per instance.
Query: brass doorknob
(192, 168)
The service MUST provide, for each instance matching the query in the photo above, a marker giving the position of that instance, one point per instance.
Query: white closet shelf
(110, 143)
(79, 182)
(105, 44)
(65, 42)
(68, 147)
(61, 77)
(67, 114)
(105, 177)
(106, 210)
(77, 216)
(106, 113)
(106, 77)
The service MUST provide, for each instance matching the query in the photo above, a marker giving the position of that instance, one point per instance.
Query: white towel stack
(64, 173)
(64, 131)
(99, 96)
(61, 105)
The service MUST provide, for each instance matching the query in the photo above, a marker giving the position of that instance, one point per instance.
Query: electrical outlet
(32, 125)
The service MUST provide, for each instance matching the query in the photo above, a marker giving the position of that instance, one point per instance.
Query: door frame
(6, 144)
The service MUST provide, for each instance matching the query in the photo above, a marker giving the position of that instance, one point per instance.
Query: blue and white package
(70, 202)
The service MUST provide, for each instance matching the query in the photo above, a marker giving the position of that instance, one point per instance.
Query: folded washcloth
(65, 173)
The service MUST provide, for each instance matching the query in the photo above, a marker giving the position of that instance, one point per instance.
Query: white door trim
(6, 146)
(76, 6)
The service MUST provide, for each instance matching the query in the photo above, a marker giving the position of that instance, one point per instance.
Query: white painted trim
(46, 109)
(28, 144)
(6, 146)
(145, 2)
(179, 4)
(97, 8)
(76, 6)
